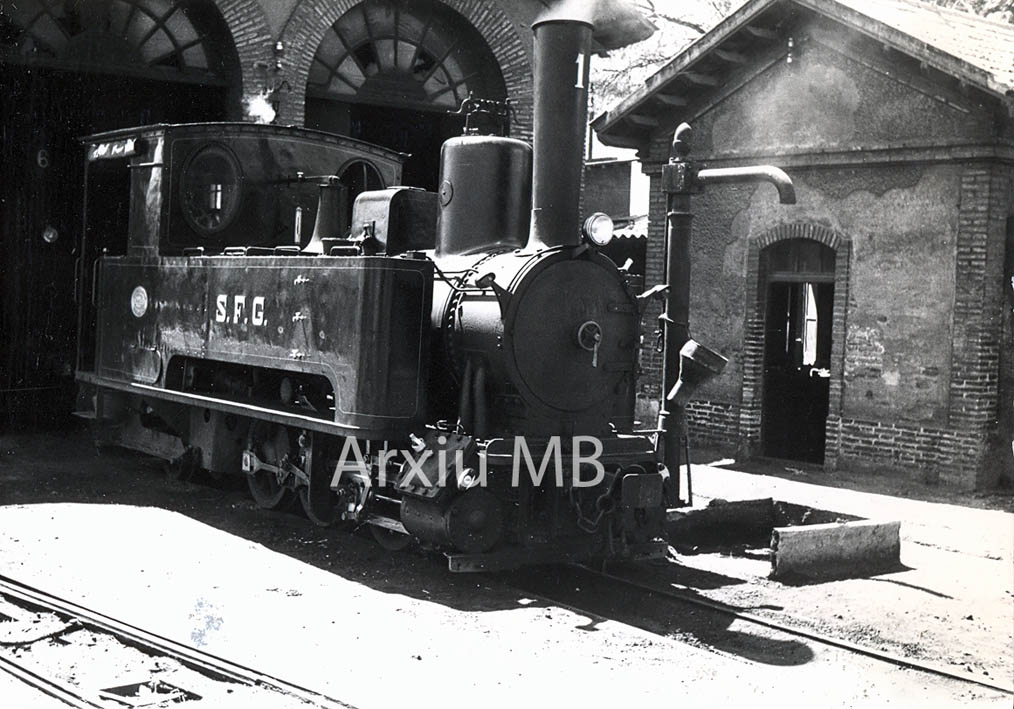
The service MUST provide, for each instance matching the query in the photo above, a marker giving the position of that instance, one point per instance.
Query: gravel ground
(951, 603)
(327, 592)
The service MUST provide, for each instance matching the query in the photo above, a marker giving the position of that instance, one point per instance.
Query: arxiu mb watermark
(440, 467)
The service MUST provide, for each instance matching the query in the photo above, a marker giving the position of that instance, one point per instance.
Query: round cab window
(210, 189)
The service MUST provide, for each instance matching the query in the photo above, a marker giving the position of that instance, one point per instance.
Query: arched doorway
(390, 71)
(68, 69)
(799, 295)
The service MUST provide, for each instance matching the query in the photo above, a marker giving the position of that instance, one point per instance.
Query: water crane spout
(681, 178)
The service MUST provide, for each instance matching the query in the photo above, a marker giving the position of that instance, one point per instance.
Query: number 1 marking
(580, 71)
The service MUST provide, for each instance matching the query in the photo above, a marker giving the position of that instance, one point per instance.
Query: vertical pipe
(676, 181)
(465, 411)
(562, 50)
(80, 286)
(481, 427)
(681, 179)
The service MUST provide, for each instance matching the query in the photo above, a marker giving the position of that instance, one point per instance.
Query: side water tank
(485, 194)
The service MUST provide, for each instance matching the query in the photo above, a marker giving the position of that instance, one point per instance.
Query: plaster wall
(829, 101)
(901, 221)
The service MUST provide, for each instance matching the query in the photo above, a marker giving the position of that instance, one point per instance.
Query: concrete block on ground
(835, 550)
(788, 514)
(805, 542)
(721, 523)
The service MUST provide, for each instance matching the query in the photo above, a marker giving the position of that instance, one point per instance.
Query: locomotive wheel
(392, 541)
(323, 509)
(321, 505)
(271, 443)
(184, 467)
(266, 491)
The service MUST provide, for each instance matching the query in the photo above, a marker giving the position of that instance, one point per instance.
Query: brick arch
(251, 36)
(798, 230)
(311, 19)
(753, 347)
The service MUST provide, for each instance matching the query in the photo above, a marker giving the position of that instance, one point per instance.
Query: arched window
(410, 54)
(800, 276)
(158, 39)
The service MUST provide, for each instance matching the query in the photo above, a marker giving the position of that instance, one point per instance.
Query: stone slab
(835, 550)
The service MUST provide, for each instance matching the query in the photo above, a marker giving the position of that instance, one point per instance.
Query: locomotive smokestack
(562, 49)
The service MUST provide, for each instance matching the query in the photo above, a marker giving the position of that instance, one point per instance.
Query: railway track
(594, 583)
(87, 659)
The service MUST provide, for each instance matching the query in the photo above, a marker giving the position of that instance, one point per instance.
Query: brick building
(870, 323)
(385, 71)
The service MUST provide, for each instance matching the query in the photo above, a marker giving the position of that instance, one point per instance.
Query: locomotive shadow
(667, 617)
(47, 468)
(66, 467)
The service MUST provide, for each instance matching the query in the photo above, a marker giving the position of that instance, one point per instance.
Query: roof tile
(983, 43)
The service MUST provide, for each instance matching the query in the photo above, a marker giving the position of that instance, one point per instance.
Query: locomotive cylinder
(471, 522)
(560, 117)
(485, 194)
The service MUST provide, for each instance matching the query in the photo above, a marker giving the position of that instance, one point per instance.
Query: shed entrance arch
(390, 71)
(68, 69)
(799, 286)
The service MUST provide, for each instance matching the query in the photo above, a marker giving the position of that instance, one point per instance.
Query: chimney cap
(615, 23)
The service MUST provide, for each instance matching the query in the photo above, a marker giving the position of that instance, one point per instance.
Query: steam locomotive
(455, 367)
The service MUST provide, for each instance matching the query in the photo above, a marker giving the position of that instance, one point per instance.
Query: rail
(18, 598)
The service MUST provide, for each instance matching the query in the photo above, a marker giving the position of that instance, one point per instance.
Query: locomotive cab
(218, 185)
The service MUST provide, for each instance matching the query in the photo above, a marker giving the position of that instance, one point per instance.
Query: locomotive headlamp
(467, 479)
(598, 229)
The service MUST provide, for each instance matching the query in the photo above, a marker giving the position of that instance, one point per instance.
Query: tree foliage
(679, 23)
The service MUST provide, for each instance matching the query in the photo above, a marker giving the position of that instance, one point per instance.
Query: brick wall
(977, 324)
(650, 382)
(254, 44)
(939, 455)
(714, 424)
(1002, 445)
